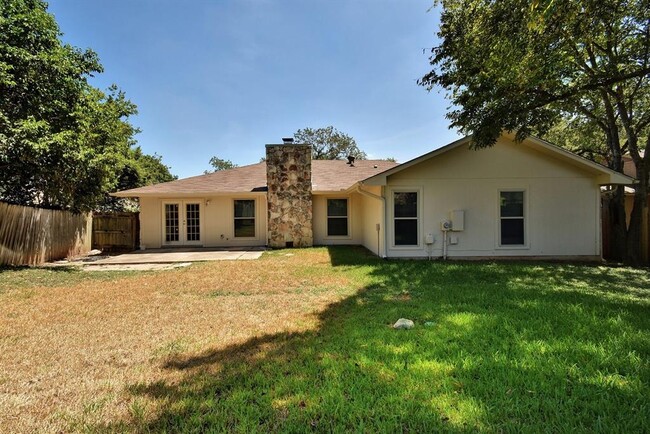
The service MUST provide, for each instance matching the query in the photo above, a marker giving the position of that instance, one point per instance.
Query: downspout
(383, 216)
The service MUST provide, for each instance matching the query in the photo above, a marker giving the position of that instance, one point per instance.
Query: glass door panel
(181, 223)
(172, 223)
(192, 222)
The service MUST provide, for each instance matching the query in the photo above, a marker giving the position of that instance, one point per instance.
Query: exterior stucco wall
(217, 220)
(372, 215)
(355, 222)
(150, 222)
(562, 209)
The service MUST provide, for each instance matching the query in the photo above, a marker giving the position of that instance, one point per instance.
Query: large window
(405, 214)
(244, 219)
(171, 223)
(337, 217)
(511, 210)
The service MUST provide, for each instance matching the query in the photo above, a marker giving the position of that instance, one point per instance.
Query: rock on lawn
(403, 323)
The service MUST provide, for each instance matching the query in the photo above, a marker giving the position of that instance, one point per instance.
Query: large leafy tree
(328, 143)
(138, 170)
(219, 164)
(573, 69)
(63, 143)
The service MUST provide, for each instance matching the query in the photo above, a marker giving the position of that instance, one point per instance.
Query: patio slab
(165, 256)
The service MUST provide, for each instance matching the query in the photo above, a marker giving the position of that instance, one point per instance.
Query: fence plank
(32, 236)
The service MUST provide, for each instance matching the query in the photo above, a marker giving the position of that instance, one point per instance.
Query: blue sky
(227, 77)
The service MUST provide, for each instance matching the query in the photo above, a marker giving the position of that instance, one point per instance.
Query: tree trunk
(637, 234)
(618, 226)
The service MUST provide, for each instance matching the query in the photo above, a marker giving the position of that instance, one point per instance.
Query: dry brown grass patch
(69, 353)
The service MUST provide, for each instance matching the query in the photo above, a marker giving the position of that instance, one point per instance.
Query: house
(528, 199)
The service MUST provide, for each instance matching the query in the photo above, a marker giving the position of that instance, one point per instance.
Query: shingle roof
(327, 175)
(337, 175)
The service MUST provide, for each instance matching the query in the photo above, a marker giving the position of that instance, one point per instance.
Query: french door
(181, 223)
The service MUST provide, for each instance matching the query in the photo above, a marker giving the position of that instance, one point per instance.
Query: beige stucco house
(528, 199)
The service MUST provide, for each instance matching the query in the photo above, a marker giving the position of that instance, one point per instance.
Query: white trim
(349, 217)
(603, 174)
(182, 215)
(526, 246)
(255, 217)
(391, 211)
(163, 216)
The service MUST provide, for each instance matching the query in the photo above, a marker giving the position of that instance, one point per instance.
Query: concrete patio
(166, 256)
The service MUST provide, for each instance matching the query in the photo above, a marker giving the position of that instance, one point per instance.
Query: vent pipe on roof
(287, 140)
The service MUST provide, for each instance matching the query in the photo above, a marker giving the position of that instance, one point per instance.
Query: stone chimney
(288, 177)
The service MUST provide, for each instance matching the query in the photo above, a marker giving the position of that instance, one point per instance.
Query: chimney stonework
(288, 178)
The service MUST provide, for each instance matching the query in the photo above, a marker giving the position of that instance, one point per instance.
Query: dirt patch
(134, 267)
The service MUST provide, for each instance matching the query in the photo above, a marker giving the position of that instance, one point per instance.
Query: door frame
(182, 225)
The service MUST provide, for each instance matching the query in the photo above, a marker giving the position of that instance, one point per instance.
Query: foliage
(63, 143)
(328, 143)
(220, 164)
(151, 168)
(138, 170)
(497, 347)
(547, 67)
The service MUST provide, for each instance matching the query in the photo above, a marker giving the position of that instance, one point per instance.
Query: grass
(301, 341)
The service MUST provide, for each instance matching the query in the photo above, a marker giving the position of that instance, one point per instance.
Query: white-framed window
(512, 218)
(405, 218)
(337, 218)
(244, 218)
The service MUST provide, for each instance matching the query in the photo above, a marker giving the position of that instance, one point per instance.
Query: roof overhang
(602, 174)
(381, 178)
(169, 195)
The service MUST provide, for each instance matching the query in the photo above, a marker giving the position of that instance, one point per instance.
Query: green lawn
(497, 347)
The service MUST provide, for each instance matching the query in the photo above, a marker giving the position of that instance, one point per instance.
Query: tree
(329, 143)
(220, 164)
(541, 66)
(138, 170)
(151, 168)
(63, 143)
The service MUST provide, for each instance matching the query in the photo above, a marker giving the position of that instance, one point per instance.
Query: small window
(512, 218)
(244, 219)
(337, 217)
(405, 214)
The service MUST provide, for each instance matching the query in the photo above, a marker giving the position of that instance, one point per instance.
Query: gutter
(382, 199)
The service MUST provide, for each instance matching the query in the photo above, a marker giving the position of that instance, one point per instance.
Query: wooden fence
(31, 236)
(116, 231)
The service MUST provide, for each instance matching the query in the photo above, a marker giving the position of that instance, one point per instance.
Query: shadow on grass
(496, 347)
(24, 268)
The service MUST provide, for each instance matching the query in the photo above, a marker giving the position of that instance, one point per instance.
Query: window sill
(512, 247)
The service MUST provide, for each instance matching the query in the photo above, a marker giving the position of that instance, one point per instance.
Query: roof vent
(351, 160)
(287, 140)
